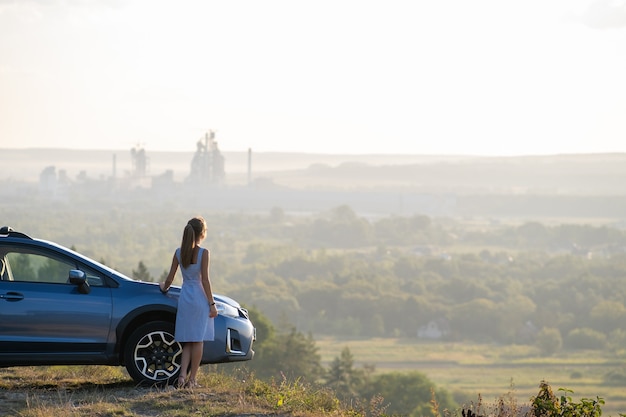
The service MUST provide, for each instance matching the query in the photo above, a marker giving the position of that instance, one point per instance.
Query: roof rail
(7, 231)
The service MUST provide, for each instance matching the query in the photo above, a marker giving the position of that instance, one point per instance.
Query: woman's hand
(162, 286)
(213, 311)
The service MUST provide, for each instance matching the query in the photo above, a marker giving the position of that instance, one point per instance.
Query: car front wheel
(151, 355)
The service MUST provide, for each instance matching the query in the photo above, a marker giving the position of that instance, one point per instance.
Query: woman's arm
(206, 282)
(170, 277)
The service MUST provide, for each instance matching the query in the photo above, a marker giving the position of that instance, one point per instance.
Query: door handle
(12, 296)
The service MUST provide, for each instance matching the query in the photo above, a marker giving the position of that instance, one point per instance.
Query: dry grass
(228, 391)
(107, 391)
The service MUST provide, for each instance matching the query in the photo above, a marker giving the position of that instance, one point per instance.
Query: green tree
(342, 228)
(407, 394)
(142, 273)
(608, 316)
(532, 234)
(342, 377)
(297, 355)
(476, 319)
(277, 215)
(287, 355)
(549, 341)
(265, 332)
(585, 338)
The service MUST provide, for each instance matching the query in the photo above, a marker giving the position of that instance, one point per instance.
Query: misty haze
(525, 252)
(527, 187)
(404, 196)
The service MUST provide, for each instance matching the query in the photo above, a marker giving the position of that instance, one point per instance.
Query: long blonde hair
(194, 231)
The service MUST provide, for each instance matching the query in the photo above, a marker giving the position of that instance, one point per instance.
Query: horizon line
(385, 154)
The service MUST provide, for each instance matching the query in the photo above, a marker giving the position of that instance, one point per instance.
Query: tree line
(562, 285)
(284, 353)
(558, 286)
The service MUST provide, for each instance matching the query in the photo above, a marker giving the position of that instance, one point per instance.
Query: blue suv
(58, 307)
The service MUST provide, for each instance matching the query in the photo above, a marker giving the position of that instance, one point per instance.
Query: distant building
(139, 161)
(53, 185)
(434, 329)
(207, 165)
(48, 181)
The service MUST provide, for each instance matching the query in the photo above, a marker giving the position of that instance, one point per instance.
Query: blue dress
(193, 323)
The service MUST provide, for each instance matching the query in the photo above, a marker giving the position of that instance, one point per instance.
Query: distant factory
(207, 164)
(206, 168)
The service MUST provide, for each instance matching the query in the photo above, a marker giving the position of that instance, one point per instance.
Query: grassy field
(466, 370)
(489, 371)
(87, 391)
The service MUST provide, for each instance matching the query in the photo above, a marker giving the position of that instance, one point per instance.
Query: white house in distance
(434, 329)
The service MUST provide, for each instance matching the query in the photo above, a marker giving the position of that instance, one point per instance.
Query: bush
(408, 393)
(546, 404)
(616, 377)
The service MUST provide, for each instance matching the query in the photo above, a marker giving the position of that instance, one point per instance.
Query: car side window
(28, 265)
(33, 267)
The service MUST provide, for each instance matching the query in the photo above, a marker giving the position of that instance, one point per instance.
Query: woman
(196, 307)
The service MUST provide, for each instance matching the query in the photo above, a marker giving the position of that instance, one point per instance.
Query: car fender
(141, 315)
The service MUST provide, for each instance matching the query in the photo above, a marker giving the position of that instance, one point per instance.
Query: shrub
(547, 404)
(616, 377)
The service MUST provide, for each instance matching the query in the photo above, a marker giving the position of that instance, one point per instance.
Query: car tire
(151, 355)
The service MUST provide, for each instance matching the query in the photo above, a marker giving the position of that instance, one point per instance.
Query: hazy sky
(490, 77)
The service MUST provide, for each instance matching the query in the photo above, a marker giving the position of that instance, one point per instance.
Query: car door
(43, 317)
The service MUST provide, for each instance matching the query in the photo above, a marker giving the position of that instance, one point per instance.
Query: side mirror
(78, 278)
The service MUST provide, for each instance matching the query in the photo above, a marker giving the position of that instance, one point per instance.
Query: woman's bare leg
(185, 360)
(195, 359)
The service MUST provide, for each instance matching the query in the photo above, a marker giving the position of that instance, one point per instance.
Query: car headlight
(226, 309)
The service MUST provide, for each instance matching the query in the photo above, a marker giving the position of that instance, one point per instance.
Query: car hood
(175, 291)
